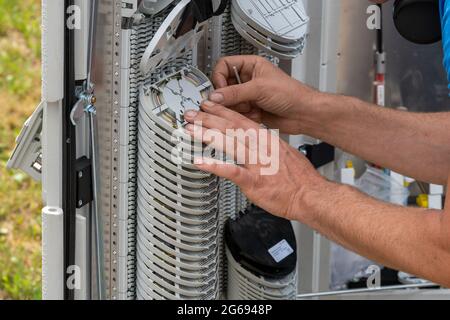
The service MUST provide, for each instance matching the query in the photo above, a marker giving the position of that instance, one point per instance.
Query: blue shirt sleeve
(445, 19)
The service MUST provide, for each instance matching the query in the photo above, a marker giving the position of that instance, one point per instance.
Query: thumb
(234, 95)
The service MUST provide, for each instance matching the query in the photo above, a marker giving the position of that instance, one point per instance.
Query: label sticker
(281, 251)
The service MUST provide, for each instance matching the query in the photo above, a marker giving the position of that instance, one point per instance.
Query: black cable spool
(199, 11)
(418, 20)
(250, 237)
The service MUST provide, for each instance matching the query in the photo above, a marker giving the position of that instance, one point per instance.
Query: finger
(232, 124)
(257, 154)
(237, 94)
(218, 141)
(254, 115)
(208, 121)
(224, 70)
(238, 175)
(237, 120)
(220, 118)
(241, 108)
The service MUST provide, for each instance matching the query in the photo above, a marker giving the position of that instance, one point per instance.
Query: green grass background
(20, 197)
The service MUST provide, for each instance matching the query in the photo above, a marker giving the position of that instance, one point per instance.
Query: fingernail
(216, 97)
(191, 114)
(189, 127)
(208, 104)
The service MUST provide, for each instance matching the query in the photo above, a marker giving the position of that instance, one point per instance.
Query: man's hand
(267, 95)
(279, 193)
(409, 239)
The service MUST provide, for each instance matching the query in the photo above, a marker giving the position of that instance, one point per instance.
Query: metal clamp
(86, 102)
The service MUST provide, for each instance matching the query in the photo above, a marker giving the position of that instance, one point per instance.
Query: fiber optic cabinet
(122, 218)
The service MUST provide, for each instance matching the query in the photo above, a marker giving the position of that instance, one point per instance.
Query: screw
(80, 203)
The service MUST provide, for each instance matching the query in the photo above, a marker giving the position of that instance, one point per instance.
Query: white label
(435, 189)
(348, 176)
(435, 202)
(281, 251)
(381, 99)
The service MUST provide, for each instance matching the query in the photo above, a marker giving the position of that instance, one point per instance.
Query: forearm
(416, 145)
(412, 240)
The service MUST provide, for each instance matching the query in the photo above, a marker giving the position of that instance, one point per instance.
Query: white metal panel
(52, 254)
(82, 39)
(52, 50)
(82, 252)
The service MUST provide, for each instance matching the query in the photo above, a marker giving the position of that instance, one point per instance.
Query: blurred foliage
(20, 197)
(20, 45)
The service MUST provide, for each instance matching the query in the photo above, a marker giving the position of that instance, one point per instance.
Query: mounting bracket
(27, 155)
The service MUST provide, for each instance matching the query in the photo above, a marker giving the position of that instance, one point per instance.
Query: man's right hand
(267, 95)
